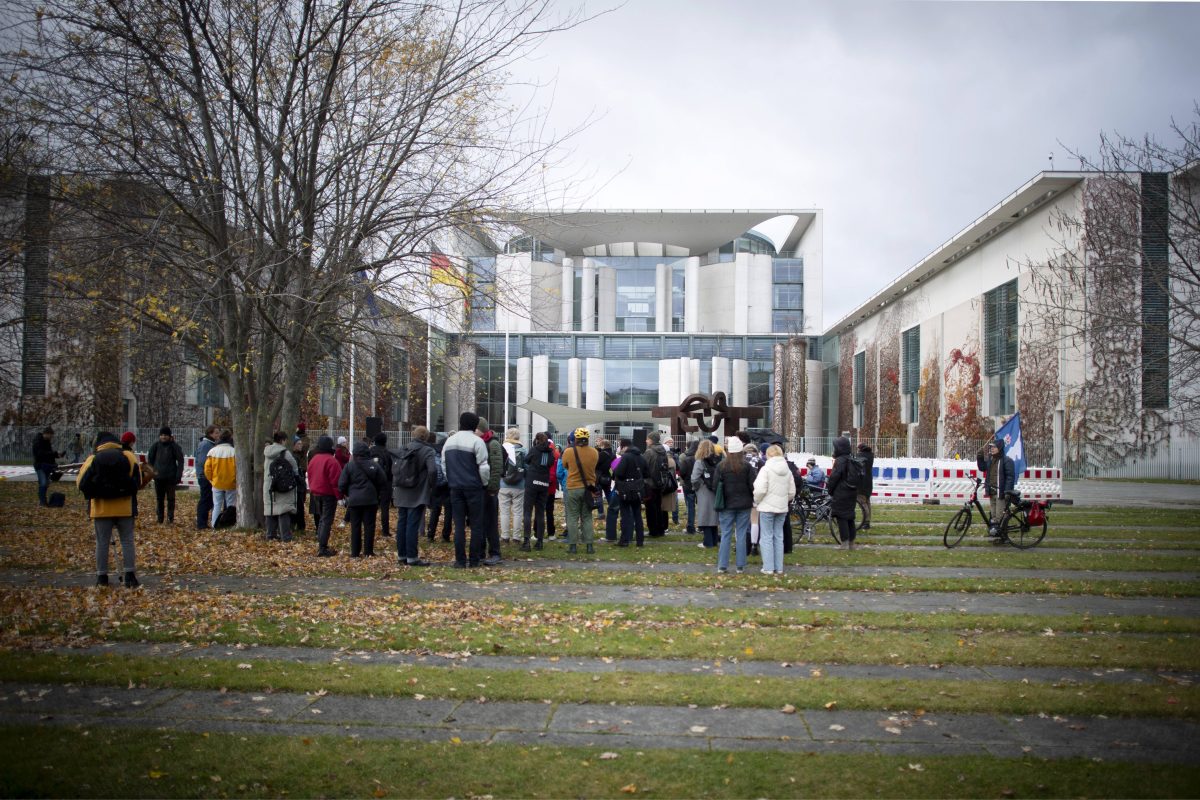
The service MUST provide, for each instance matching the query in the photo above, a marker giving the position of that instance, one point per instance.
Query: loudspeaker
(374, 427)
(639, 439)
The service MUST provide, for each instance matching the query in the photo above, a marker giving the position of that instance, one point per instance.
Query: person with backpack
(166, 456)
(629, 482)
(281, 483)
(704, 482)
(552, 493)
(324, 474)
(109, 479)
(205, 505)
(604, 483)
(220, 467)
(866, 485)
(45, 462)
(512, 487)
(439, 499)
(383, 457)
(687, 465)
(774, 489)
(539, 462)
(491, 495)
(580, 460)
(414, 475)
(736, 485)
(465, 459)
(362, 483)
(661, 485)
(842, 485)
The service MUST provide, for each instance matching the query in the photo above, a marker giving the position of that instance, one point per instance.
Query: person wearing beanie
(866, 485)
(220, 467)
(279, 506)
(362, 483)
(659, 499)
(128, 439)
(1000, 479)
(300, 455)
(512, 487)
(842, 496)
(736, 478)
(414, 479)
(205, 504)
(491, 496)
(166, 456)
(110, 478)
(45, 462)
(342, 453)
(324, 473)
(465, 462)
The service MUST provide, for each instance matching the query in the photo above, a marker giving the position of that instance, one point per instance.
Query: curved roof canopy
(698, 232)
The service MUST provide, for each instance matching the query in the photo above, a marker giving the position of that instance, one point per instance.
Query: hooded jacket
(774, 487)
(276, 503)
(362, 480)
(422, 493)
(739, 486)
(324, 471)
(514, 452)
(538, 466)
(220, 467)
(202, 450)
(999, 474)
(495, 461)
(167, 460)
(867, 484)
(842, 496)
(105, 507)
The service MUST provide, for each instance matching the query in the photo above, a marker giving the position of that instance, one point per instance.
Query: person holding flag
(1000, 470)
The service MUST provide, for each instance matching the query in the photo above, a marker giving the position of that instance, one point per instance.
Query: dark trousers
(787, 533)
(385, 516)
(550, 499)
(845, 527)
(491, 511)
(408, 532)
(439, 502)
(614, 514)
(631, 518)
(205, 505)
(689, 500)
(280, 527)
(467, 503)
(164, 494)
(43, 477)
(324, 508)
(535, 512)
(362, 529)
(301, 493)
(656, 518)
(711, 537)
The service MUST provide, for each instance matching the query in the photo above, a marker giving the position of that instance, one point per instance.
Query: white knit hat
(341, 440)
(733, 444)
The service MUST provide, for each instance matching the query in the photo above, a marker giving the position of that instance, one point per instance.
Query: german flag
(443, 272)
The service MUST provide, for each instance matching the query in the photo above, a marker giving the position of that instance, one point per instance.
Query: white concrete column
(606, 318)
(662, 298)
(524, 385)
(540, 388)
(568, 293)
(669, 391)
(740, 394)
(760, 283)
(595, 384)
(694, 375)
(720, 375)
(686, 384)
(587, 310)
(574, 393)
(741, 293)
(815, 373)
(691, 295)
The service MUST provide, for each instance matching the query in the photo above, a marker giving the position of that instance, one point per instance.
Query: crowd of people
(480, 491)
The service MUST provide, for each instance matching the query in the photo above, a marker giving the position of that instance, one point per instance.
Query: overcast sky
(903, 121)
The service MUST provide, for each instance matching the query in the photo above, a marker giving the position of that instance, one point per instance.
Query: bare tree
(1124, 293)
(255, 164)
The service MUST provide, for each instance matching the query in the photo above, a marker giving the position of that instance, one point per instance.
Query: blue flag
(1014, 448)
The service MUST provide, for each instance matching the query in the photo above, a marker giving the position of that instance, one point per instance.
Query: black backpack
(109, 476)
(283, 477)
(514, 472)
(664, 476)
(855, 470)
(686, 465)
(409, 468)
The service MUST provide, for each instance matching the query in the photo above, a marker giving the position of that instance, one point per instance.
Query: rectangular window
(860, 386)
(618, 347)
(676, 347)
(910, 372)
(1000, 347)
(789, 296)
(647, 347)
(731, 348)
(704, 347)
(587, 346)
(1002, 394)
(787, 321)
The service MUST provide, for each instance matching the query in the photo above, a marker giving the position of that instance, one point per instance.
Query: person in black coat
(1000, 479)
(538, 463)
(166, 456)
(630, 477)
(383, 457)
(45, 462)
(866, 485)
(843, 496)
(737, 485)
(362, 483)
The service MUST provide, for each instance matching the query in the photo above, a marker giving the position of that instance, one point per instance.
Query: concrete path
(799, 671)
(1132, 493)
(765, 599)
(611, 728)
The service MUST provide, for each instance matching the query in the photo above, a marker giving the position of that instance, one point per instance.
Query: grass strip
(98, 762)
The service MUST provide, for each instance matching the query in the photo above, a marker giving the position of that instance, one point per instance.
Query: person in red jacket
(342, 453)
(323, 475)
(554, 456)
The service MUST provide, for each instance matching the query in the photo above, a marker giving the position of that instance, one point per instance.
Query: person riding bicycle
(999, 482)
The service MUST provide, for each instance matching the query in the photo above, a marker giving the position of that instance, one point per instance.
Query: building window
(1000, 347)
(481, 301)
(201, 387)
(397, 387)
(860, 386)
(329, 383)
(910, 373)
(788, 313)
(678, 283)
(630, 385)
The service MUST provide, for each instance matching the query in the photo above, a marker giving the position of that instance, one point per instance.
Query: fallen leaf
(837, 727)
(832, 704)
(155, 774)
(699, 728)
(788, 709)
(608, 756)
(629, 788)
(244, 665)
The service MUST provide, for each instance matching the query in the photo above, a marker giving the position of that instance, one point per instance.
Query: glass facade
(787, 315)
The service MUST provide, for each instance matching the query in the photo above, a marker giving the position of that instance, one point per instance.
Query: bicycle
(1015, 528)
(811, 508)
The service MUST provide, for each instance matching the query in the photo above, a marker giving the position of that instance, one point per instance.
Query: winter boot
(131, 581)
(591, 548)
(102, 580)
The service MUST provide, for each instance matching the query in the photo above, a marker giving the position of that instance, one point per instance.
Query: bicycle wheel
(834, 531)
(956, 529)
(1017, 531)
(797, 516)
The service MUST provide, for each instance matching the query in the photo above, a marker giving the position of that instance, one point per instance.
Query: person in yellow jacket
(220, 468)
(109, 479)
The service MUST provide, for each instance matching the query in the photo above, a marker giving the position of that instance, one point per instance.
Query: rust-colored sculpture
(699, 412)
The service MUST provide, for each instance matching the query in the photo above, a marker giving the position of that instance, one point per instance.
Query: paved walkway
(765, 599)
(1132, 493)
(613, 728)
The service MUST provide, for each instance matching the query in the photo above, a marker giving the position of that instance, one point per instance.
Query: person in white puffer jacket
(773, 493)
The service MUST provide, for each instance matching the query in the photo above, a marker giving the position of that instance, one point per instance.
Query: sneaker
(326, 552)
(740, 570)
(492, 561)
(866, 526)
(538, 545)
(722, 570)
(701, 546)
(459, 565)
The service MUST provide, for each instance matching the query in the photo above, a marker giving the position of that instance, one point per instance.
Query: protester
(604, 483)
(629, 480)
(657, 488)
(538, 464)
(166, 456)
(465, 459)
(281, 481)
(383, 457)
(362, 483)
(774, 489)
(145, 471)
(300, 454)
(491, 496)
(45, 462)
(580, 460)
(342, 453)
(552, 492)
(687, 464)
(204, 506)
(324, 473)
(414, 476)
(866, 485)
(704, 482)
(220, 467)
(1000, 479)
(816, 476)
(439, 500)
(109, 479)
(512, 487)
(737, 483)
(77, 448)
(842, 491)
